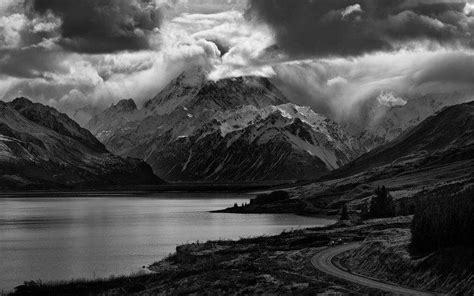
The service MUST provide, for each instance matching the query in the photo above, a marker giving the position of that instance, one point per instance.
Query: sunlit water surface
(99, 236)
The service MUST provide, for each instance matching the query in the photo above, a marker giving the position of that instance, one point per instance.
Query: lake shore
(118, 234)
(279, 265)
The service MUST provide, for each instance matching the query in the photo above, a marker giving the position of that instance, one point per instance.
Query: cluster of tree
(381, 206)
(444, 221)
(275, 196)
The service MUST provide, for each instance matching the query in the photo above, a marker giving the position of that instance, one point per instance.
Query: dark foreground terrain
(283, 265)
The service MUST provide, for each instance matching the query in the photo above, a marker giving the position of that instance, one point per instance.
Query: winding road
(323, 261)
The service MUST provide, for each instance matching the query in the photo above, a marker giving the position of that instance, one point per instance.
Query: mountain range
(436, 156)
(231, 130)
(378, 124)
(239, 129)
(446, 136)
(43, 148)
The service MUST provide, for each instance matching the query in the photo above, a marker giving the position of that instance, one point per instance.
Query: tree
(444, 220)
(364, 213)
(344, 213)
(381, 205)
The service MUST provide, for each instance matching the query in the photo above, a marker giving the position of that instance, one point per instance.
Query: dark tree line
(275, 196)
(444, 221)
(381, 205)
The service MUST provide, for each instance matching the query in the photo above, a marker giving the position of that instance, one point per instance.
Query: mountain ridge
(447, 133)
(43, 148)
(223, 122)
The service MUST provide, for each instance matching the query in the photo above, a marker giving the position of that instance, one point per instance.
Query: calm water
(99, 236)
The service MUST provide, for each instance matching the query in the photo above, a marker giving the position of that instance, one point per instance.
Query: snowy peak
(232, 93)
(192, 90)
(236, 129)
(301, 127)
(103, 124)
(247, 115)
(178, 92)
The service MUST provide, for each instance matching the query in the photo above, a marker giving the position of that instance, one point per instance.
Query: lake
(99, 235)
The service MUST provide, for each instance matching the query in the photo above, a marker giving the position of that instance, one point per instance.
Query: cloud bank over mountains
(350, 28)
(101, 26)
(330, 54)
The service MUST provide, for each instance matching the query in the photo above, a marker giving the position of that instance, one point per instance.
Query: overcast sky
(330, 54)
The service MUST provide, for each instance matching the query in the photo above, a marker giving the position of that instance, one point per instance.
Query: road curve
(323, 261)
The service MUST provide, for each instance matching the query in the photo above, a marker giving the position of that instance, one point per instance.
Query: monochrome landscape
(236, 147)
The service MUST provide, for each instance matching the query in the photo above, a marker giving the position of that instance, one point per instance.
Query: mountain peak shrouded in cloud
(82, 56)
(102, 26)
(349, 27)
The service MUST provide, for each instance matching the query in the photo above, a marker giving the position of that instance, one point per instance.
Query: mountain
(43, 148)
(380, 123)
(446, 136)
(434, 158)
(238, 129)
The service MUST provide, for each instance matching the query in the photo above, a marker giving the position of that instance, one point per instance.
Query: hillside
(446, 136)
(438, 154)
(42, 148)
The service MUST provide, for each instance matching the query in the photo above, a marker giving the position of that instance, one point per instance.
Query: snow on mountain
(323, 137)
(445, 137)
(238, 129)
(381, 124)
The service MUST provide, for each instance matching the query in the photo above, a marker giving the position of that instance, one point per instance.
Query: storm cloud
(327, 28)
(102, 26)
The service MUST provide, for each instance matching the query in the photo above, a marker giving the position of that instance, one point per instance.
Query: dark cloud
(102, 26)
(31, 62)
(354, 27)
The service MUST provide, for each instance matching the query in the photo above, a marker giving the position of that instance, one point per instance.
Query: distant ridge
(446, 136)
(41, 148)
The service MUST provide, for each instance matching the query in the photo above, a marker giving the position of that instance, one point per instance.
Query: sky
(330, 54)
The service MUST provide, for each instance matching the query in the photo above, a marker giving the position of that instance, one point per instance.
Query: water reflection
(86, 237)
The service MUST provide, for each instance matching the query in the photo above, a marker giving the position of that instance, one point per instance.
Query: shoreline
(180, 188)
(282, 223)
(278, 265)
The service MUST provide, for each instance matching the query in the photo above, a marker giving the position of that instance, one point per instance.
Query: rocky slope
(42, 148)
(435, 156)
(446, 136)
(239, 129)
(380, 123)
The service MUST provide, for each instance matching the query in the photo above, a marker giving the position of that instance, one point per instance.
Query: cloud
(31, 62)
(388, 99)
(241, 46)
(102, 26)
(11, 28)
(35, 63)
(41, 58)
(446, 68)
(350, 10)
(326, 28)
(339, 87)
